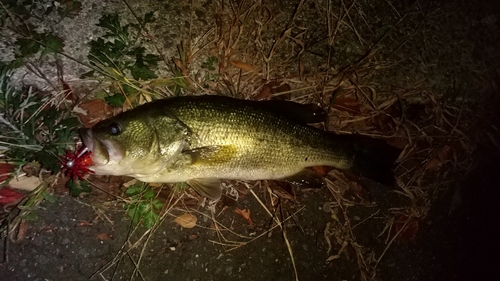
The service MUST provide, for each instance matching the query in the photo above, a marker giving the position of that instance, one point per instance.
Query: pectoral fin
(207, 187)
(214, 154)
(306, 179)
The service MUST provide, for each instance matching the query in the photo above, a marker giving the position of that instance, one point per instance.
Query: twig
(387, 248)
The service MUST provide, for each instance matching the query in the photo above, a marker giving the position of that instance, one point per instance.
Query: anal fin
(306, 179)
(207, 187)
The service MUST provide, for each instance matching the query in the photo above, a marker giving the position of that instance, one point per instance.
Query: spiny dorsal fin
(207, 187)
(302, 113)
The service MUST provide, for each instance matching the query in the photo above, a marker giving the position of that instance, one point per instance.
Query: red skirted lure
(75, 165)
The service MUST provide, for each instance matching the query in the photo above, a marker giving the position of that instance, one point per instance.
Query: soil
(75, 240)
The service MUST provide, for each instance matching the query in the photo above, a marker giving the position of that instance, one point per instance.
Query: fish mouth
(103, 151)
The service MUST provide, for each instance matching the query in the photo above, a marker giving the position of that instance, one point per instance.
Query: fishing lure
(75, 165)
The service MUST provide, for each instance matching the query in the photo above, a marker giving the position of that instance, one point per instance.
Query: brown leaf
(21, 232)
(25, 183)
(9, 196)
(409, 232)
(104, 237)
(245, 213)
(321, 170)
(348, 104)
(6, 170)
(264, 93)
(436, 163)
(186, 220)
(242, 65)
(445, 154)
(433, 165)
(96, 110)
(48, 229)
(272, 88)
(84, 223)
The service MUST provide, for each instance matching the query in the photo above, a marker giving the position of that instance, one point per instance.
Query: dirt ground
(439, 227)
(73, 240)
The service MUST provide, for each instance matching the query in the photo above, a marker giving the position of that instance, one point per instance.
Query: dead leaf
(283, 88)
(407, 227)
(274, 88)
(443, 156)
(9, 196)
(21, 232)
(130, 183)
(321, 170)
(48, 229)
(243, 66)
(433, 164)
(348, 104)
(96, 110)
(104, 237)
(245, 213)
(31, 169)
(84, 223)
(264, 93)
(25, 183)
(6, 170)
(186, 220)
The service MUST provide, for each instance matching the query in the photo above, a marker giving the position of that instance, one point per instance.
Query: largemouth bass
(203, 139)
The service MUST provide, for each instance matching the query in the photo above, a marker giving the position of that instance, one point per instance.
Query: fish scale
(269, 146)
(195, 138)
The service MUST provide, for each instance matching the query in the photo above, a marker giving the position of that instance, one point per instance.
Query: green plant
(23, 18)
(210, 66)
(40, 10)
(119, 53)
(32, 42)
(33, 127)
(143, 205)
(77, 187)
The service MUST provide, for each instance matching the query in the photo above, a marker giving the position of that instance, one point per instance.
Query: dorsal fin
(302, 113)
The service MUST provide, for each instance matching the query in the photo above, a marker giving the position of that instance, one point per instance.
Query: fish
(201, 140)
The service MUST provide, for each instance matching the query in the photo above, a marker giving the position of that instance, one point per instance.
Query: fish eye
(114, 128)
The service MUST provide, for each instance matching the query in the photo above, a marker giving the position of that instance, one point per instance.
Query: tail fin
(374, 159)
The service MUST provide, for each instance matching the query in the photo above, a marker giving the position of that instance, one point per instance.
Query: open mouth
(100, 154)
(104, 151)
(86, 135)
